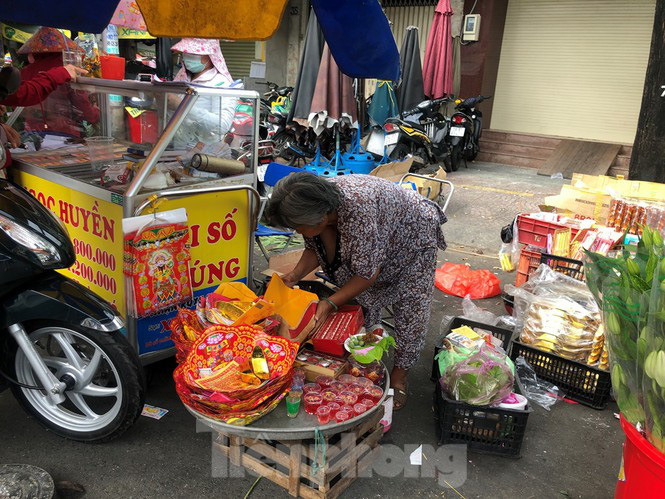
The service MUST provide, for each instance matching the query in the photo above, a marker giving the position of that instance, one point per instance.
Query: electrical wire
(18, 383)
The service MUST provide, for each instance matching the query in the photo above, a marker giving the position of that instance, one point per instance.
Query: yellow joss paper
(290, 304)
(246, 308)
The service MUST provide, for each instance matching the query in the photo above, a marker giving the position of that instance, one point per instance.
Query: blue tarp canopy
(359, 37)
(89, 16)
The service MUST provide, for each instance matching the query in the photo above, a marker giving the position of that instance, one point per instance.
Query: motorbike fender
(455, 140)
(56, 297)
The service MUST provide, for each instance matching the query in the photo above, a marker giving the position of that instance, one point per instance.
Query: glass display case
(98, 152)
(157, 128)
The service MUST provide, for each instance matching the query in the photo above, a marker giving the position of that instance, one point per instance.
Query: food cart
(153, 124)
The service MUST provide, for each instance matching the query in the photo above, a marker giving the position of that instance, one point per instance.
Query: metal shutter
(403, 17)
(573, 68)
(239, 57)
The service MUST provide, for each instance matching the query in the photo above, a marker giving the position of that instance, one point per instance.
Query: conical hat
(48, 40)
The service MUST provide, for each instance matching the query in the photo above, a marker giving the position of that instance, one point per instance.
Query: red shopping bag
(459, 280)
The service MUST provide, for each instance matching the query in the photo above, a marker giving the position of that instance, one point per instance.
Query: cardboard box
(284, 263)
(396, 170)
(580, 203)
(617, 187)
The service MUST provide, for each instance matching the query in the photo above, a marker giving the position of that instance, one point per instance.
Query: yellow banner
(134, 34)
(13, 33)
(95, 227)
(220, 238)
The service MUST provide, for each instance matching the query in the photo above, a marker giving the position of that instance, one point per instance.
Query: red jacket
(38, 88)
(64, 110)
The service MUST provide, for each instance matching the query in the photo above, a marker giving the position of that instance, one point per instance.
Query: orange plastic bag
(459, 280)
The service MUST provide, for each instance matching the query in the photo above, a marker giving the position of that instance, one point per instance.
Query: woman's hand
(323, 310)
(75, 71)
(13, 136)
(290, 279)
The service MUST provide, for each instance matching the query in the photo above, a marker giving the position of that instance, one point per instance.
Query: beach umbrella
(410, 92)
(438, 65)
(358, 34)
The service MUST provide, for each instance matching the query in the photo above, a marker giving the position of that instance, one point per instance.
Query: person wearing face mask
(212, 116)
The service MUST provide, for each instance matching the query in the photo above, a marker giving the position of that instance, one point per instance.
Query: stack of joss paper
(236, 374)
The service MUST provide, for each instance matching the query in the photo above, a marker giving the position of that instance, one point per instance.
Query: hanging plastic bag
(156, 261)
(509, 254)
(459, 280)
(481, 379)
(536, 390)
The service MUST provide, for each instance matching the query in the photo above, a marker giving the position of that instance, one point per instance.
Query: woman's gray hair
(300, 199)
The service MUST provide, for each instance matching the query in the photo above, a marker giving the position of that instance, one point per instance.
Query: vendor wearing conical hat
(44, 77)
(37, 82)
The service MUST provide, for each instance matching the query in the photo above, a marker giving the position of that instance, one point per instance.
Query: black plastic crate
(483, 429)
(584, 384)
(498, 332)
(567, 266)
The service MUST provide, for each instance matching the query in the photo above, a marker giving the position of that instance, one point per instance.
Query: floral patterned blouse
(381, 226)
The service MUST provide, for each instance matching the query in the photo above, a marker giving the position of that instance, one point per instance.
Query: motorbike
(276, 94)
(404, 138)
(467, 126)
(436, 126)
(63, 351)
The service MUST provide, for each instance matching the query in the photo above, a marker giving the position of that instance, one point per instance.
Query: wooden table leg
(295, 459)
(235, 450)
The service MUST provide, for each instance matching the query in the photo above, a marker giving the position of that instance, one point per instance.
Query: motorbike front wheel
(107, 381)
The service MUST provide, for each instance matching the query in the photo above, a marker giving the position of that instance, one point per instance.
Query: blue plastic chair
(274, 173)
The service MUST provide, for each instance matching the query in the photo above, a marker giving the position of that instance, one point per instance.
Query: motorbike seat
(413, 124)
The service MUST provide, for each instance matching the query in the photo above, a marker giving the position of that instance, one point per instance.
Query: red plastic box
(143, 128)
(331, 335)
(534, 231)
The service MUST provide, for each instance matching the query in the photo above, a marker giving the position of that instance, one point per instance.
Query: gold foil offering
(259, 364)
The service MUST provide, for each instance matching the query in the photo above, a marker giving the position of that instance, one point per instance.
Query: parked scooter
(436, 126)
(467, 126)
(62, 348)
(403, 138)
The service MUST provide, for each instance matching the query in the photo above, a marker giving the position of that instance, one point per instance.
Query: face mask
(193, 63)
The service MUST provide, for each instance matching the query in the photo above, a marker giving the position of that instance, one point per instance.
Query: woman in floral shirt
(377, 242)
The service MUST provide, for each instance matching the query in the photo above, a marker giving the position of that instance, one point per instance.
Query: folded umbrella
(333, 101)
(410, 92)
(308, 70)
(438, 66)
(384, 104)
